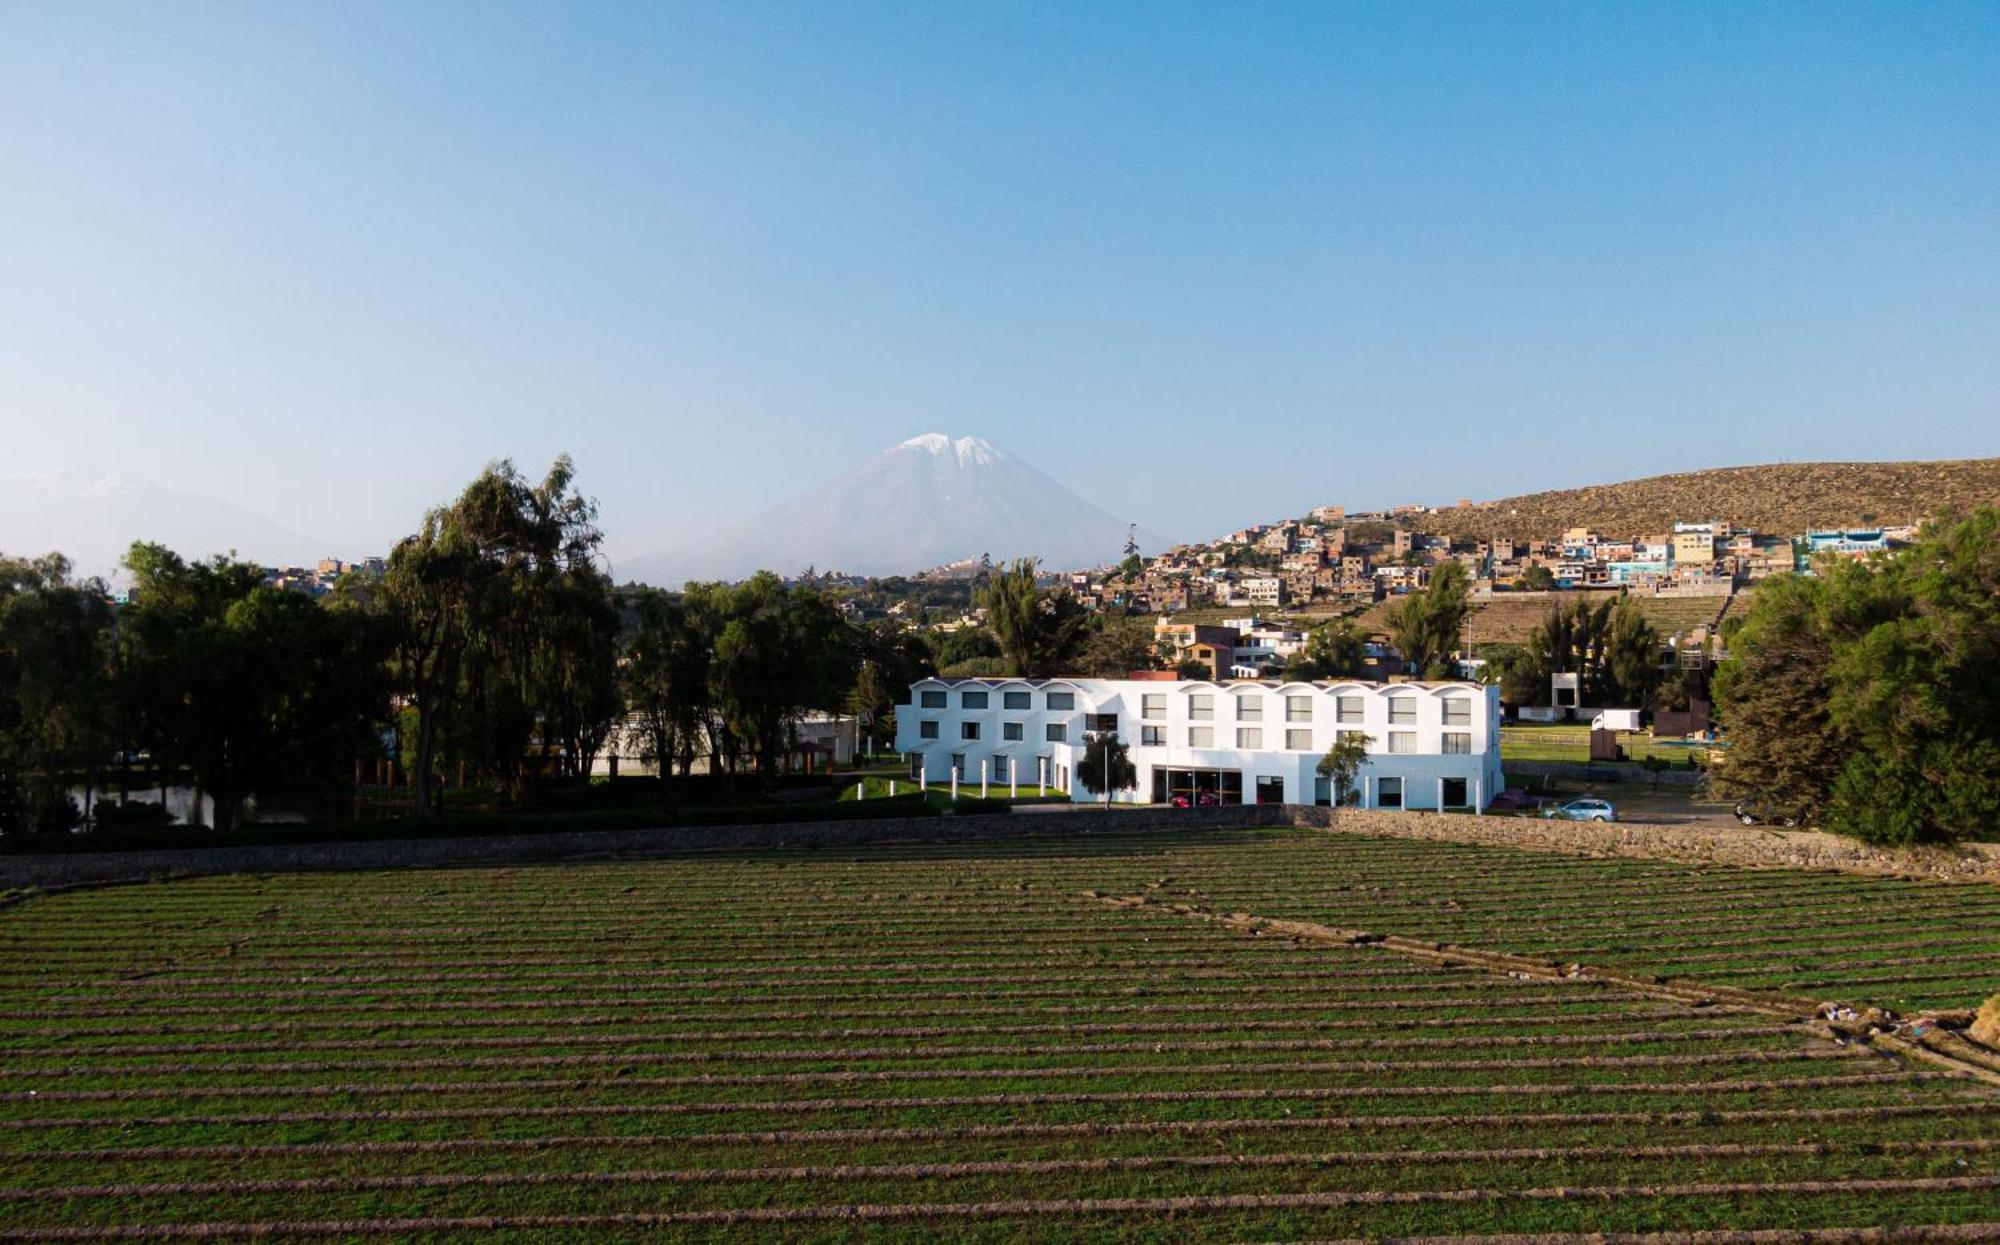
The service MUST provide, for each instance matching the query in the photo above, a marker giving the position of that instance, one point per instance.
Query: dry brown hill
(1779, 498)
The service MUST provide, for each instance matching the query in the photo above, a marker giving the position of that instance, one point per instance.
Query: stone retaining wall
(1751, 847)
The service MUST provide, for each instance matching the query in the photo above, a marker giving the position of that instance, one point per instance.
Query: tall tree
(1039, 633)
(1116, 646)
(1774, 698)
(478, 596)
(1427, 625)
(1630, 669)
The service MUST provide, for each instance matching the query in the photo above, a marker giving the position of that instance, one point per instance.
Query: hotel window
(1010, 730)
(1250, 737)
(1153, 705)
(1062, 700)
(1201, 736)
(927, 730)
(1298, 708)
(932, 700)
(1201, 706)
(1458, 711)
(1458, 743)
(1153, 736)
(1106, 723)
(1402, 711)
(1299, 741)
(1349, 709)
(968, 730)
(1249, 708)
(1388, 793)
(1056, 733)
(999, 769)
(1402, 741)
(972, 700)
(958, 764)
(1015, 700)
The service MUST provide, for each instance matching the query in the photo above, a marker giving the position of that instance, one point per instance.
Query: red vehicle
(1201, 799)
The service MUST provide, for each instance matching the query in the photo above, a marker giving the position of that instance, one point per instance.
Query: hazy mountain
(926, 502)
(93, 522)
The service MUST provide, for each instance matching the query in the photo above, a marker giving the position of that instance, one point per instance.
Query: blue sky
(1206, 264)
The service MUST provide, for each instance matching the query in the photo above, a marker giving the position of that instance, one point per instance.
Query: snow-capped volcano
(931, 500)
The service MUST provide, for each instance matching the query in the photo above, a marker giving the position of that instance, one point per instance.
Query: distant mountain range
(1778, 498)
(930, 501)
(94, 521)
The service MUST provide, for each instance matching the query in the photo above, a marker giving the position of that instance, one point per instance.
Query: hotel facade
(1430, 745)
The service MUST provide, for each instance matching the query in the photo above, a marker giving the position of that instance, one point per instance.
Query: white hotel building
(1430, 745)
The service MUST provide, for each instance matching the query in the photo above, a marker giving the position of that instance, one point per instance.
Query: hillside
(1782, 498)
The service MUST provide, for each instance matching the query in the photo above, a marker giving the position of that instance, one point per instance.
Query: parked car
(1753, 814)
(1202, 799)
(1584, 808)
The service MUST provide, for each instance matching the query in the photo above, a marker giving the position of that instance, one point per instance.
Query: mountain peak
(969, 451)
(930, 501)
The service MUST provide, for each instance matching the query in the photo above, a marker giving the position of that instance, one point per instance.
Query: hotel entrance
(1197, 788)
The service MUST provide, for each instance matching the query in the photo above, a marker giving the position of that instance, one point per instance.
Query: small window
(1389, 792)
(1153, 736)
(927, 730)
(1201, 736)
(968, 730)
(1402, 742)
(1458, 743)
(1000, 769)
(1153, 705)
(1299, 741)
(1106, 723)
(1056, 733)
(1402, 711)
(1458, 711)
(932, 700)
(1201, 706)
(1010, 730)
(1249, 708)
(1250, 737)
(958, 764)
(1350, 709)
(1298, 708)
(1015, 700)
(1062, 700)
(972, 700)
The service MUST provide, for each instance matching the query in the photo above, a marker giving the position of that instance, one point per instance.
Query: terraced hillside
(1509, 618)
(986, 1043)
(1779, 498)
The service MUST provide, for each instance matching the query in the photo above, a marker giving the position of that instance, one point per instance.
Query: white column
(923, 777)
(954, 782)
(892, 786)
(861, 790)
(1440, 795)
(1013, 778)
(1479, 795)
(985, 773)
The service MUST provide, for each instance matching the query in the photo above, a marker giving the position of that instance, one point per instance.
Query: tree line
(494, 646)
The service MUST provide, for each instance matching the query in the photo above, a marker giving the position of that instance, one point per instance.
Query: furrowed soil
(1144, 1037)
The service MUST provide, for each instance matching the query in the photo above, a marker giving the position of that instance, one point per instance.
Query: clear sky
(1206, 264)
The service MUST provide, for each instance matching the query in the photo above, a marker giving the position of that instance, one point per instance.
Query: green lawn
(1572, 743)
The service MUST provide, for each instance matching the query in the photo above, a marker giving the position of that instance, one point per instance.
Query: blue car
(1585, 808)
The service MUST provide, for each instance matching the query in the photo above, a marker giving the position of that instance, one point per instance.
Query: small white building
(1430, 745)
